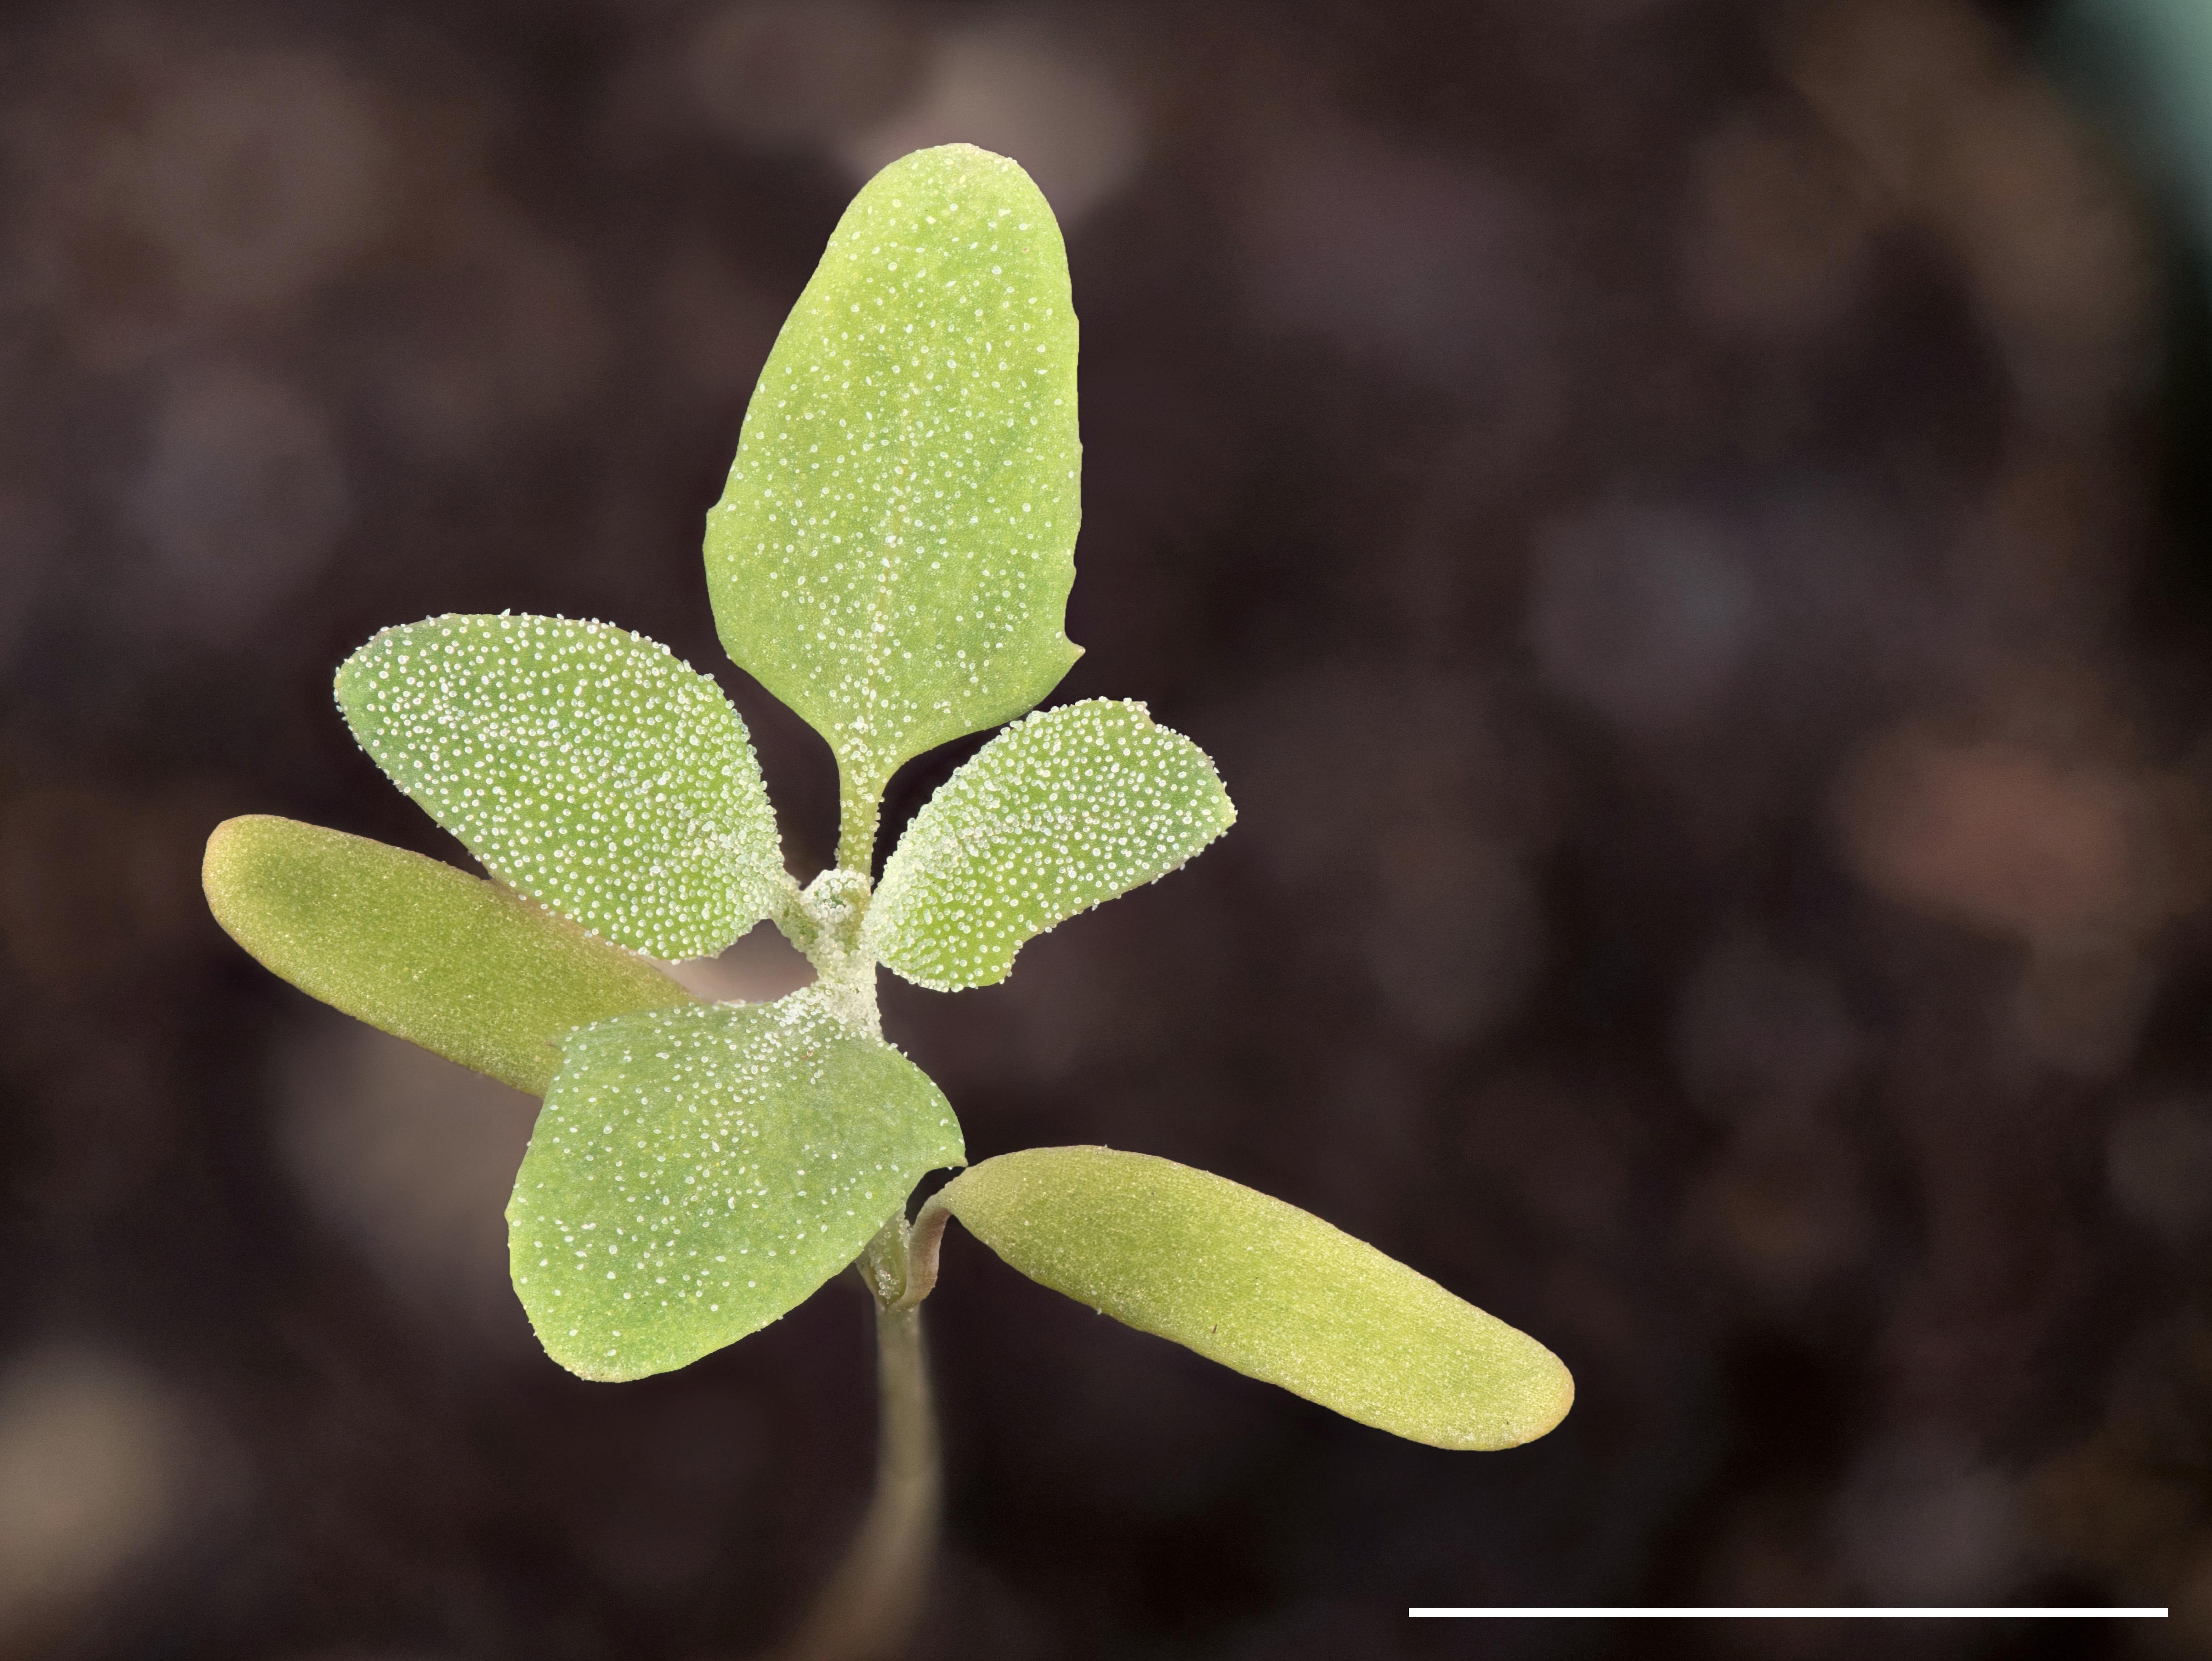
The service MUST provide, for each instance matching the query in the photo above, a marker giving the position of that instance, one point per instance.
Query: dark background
(1682, 525)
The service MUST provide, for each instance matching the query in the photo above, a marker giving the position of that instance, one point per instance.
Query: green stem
(869, 1607)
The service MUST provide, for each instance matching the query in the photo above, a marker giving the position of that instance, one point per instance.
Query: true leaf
(697, 1172)
(584, 764)
(894, 550)
(1056, 814)
(447, 960)
(1263, 1287)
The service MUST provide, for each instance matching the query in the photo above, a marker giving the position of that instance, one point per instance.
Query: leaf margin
(736, 865)
(993, 770)
(1538, 1391)
(418, 990)
(804, 1013)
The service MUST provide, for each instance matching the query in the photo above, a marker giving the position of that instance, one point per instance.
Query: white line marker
(1840, 1612)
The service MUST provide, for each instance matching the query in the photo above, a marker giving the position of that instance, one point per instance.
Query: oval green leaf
(585, 765)
(418, 949)
(894, 550)
(1265, 1288)
(1057, 813)
(697, 1173)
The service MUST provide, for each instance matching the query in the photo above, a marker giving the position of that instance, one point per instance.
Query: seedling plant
(891, 559)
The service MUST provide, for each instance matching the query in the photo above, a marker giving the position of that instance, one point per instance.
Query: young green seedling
(891, 558)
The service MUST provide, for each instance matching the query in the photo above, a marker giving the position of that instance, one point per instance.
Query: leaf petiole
(860, 814)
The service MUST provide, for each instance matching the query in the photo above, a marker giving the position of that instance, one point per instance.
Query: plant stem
(869, 1607)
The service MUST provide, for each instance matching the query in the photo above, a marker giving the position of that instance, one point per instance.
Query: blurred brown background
(1682, 525)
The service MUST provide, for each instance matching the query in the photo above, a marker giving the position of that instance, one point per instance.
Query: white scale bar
(1847, 1612)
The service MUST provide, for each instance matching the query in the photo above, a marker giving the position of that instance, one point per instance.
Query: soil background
(1682, 525)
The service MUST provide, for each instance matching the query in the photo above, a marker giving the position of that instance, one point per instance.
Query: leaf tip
(1549, 1396)
(231, 847)
(215, 862)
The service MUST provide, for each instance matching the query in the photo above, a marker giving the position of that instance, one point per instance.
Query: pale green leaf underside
(1056, 814)
(697, 1172)
(1265, 1288)
(447, 960)
(894, 550)
(584, 764)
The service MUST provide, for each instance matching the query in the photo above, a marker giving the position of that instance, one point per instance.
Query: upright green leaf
(893, 554)
(445, 959)
(1056, 814)
(697, 1172)
(1263, 1287)
(585, 765)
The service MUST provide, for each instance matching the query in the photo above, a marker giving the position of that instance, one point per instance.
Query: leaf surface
(697, 1172)
(584, 764)
(417, 948)
(1263, 1287)
(1057, 813)
(893, 553)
